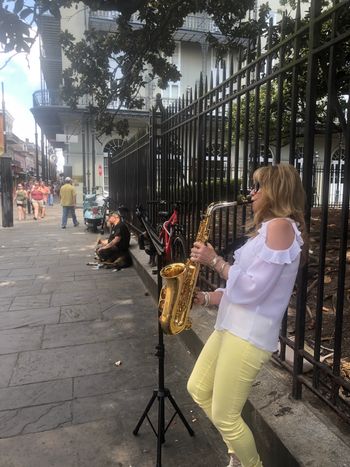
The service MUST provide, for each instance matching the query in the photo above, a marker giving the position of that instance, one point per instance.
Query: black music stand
(161, 393)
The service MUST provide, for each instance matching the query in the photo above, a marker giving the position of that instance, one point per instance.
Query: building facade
(26, 157)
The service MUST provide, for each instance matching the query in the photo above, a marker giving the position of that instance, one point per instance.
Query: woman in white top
(251, 307)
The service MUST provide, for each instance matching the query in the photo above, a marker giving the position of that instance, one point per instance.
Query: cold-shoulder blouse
(258, 289)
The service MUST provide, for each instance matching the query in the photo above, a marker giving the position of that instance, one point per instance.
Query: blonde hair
(283, 194)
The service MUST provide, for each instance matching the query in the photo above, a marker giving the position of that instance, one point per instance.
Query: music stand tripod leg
(180, 414)
(145, 412)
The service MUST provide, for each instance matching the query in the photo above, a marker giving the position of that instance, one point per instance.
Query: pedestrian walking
(68, 198)
(51, 193)
(28, 187)
(36, 197)
(46, 191)
(21, 202)
(251, 307)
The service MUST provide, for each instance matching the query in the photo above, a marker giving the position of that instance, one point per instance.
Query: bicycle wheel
(178, 249)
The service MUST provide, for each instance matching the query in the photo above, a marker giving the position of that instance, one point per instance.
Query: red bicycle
(170, 234)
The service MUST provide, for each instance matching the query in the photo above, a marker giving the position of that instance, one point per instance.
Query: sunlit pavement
(77, 363)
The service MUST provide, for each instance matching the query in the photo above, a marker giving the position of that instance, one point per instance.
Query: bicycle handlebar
(163, 201)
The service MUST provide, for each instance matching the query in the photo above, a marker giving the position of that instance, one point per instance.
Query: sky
(21, 78)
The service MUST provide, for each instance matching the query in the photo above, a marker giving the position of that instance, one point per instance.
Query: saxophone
(176, 296)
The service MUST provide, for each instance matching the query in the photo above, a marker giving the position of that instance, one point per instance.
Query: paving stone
(19, 340)
(63, 335)
(34, 419)
(78, 297)
(14, 265)
(29, 317)
(93, 273)
(48, 259)
(49, 364)
(31, 271)
(122, 379)
(36, 394)
(68, 286)
(32, 301)
(96, 444)
(88, 409)
(114, 296)
(18, 291)
(122, 311)
(45, 279)
(86, 312)
(11, 282)
(7, 364)
(68, 268)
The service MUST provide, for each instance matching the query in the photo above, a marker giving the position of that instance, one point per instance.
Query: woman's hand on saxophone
(207, 298)
(203, 254)
(198, 297)
(206, 255)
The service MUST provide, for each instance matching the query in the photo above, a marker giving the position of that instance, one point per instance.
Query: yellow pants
(220, 384)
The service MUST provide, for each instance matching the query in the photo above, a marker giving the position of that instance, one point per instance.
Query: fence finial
(201, 84)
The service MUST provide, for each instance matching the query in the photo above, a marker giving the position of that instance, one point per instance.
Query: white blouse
(258, 289)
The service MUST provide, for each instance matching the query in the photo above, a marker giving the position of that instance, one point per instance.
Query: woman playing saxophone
(258, 288)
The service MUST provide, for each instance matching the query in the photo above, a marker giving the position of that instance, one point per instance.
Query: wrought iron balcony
(193, 28)
(45, 98)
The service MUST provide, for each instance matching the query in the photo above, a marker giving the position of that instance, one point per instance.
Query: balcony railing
(44, 98)
(197, 23)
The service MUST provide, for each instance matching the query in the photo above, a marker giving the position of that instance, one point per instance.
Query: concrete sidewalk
(63, 326)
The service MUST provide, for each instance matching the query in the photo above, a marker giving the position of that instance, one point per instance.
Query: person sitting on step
(115, 249)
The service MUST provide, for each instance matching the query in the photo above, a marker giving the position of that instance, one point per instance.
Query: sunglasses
(255, 187)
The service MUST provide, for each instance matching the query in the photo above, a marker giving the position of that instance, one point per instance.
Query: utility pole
(5, 174)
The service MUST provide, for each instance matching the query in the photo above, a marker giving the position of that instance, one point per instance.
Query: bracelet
(222, 267)
(214, 261)
(206, 299)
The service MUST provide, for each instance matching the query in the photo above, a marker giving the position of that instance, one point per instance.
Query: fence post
(309, 132)
(200, 150)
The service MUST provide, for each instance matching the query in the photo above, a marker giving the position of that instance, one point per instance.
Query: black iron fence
(284, 101)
